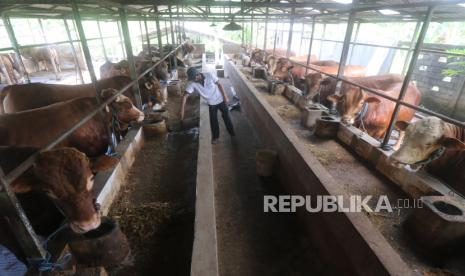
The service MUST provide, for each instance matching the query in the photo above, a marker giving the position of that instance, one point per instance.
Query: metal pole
(301, 37)
(321, 43)
(101, 40)
(19, 223)
(73, 51)
(85, 47)
(171, 26)
(355, 41)
(132, 66)
(121, 39)
(147, 36)
(242, 33)
(348, 37)
(14, 43)
(275, 36)
(408, 76)
(289, 38)
(266, 30)
(310, 45)
(167, 35)
(411, 47)
(251, 32)
(52, 61)
(157, 22)
(462, 92)
(141, 33)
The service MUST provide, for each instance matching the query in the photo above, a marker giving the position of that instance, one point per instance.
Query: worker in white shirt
(213, 92)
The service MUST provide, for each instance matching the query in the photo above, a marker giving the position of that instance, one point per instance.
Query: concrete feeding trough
(259, 72)
(104, 246)
(439, 224)
(326, 127)
(310, 114)
(155, 127)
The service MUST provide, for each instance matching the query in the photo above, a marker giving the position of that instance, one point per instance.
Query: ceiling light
(463, 5)
(232, 26)
(343, 1)
(308, 8)
(388, 12)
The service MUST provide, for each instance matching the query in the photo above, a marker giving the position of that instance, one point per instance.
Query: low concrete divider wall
(347, 241)
(205, 251)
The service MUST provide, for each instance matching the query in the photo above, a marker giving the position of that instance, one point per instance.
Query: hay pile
(142, 221)
(289, 112)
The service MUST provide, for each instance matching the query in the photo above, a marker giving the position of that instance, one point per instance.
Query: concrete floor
(251, 242)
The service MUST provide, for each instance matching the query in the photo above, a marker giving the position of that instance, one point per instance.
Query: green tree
(457, 63)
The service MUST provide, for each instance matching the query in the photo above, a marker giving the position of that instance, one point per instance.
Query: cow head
(312, 83)
(122, 108)
(161, 70)
(283, 69)
(350, 103)
(66, 175)
(152, 91)
(423, 142)
(257, 56)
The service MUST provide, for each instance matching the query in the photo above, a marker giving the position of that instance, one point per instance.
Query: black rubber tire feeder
(104, 246)
(326, 127)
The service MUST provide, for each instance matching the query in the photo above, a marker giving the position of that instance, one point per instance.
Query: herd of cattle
(33, 115)
(428, 142)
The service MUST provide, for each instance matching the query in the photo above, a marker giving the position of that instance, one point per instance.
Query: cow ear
(372, 100)
(334, 98)
(103, 163)
(23, 184)
(452, 143)
(402, 125)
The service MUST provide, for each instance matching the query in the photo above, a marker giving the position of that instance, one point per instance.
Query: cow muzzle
(86, 226)
(347, 120)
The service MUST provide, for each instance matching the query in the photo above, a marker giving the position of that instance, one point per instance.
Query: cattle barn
(340, 149)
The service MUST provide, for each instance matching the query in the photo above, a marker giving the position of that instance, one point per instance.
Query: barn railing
(414, 51)
(30, 239)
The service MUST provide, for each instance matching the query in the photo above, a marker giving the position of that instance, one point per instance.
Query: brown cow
(315, 82)
(279, 52)
(38, 127)
(7, 68)
(110, 69)
(22, 97)
(375, 120)
(41, 55)
(65, 175)
(438, 145)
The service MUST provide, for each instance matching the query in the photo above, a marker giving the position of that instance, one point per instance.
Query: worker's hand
(226, 100)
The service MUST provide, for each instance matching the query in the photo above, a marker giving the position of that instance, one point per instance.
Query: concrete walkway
(251, 242)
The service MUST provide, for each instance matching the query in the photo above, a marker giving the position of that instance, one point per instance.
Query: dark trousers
(213, 111)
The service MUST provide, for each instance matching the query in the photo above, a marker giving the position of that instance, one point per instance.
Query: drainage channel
(251, 242)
